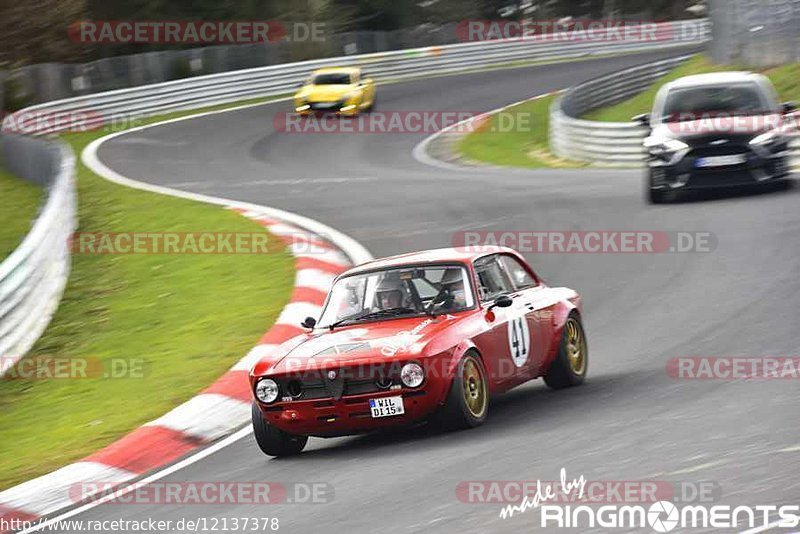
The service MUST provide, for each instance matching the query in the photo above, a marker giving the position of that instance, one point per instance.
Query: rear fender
(561, 313)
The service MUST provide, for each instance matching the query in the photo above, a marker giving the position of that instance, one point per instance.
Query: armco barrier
(33, 277)
(617, 144)
(98, 109)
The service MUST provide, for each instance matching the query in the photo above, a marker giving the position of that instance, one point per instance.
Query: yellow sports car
(341, 90)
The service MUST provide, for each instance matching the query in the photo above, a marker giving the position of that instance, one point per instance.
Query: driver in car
(389, 294)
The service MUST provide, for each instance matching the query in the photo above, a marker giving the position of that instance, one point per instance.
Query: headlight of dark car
(664, 148)
(766, 139)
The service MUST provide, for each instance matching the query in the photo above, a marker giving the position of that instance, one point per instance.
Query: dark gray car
(716, 130)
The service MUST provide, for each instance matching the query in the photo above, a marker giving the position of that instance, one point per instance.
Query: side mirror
(503, 301)
(309, 322)
(643, 119)
(789, 107)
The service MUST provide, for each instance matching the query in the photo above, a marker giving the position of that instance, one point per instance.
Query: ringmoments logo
(661, 516)
(664, 516)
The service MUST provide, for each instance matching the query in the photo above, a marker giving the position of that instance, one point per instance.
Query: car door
(505, 343)
(538, 309)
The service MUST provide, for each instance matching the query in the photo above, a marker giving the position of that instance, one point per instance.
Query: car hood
(384, 340)
(742, 127)
(325, 93)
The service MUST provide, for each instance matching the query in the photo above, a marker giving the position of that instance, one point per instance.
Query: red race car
(423, 336)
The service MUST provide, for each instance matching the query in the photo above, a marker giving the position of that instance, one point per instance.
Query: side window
(517, 272)
(491, 281)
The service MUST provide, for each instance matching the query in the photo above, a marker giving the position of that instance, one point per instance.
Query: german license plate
(387, 406)
(720, 161)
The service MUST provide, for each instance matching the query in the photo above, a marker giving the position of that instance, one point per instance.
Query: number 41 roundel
(519, 340)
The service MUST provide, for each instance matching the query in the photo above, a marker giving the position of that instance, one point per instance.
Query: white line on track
(208, 451)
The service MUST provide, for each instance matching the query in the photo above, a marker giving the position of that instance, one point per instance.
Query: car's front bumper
(350, 414)
(338, 108)
(683, 173)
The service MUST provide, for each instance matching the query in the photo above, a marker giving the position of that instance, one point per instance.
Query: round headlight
(267, 390)
(412, 375)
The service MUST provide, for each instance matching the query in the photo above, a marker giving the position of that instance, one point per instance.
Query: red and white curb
(221, 409)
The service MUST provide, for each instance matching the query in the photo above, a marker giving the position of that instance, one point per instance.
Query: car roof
(338, 70)
(440, 255)
(714, 78)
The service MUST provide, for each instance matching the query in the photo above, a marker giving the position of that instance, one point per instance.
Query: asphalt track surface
(629, 422)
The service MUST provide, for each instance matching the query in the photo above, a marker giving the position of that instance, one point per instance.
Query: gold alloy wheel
(474, 387)
(576, 346)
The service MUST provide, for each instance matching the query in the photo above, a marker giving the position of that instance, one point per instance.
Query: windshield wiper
(389, 312)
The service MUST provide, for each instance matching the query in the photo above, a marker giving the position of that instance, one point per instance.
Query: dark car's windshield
(398, 292)
(332, 79)
(693, 103)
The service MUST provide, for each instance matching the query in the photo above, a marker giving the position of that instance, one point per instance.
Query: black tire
(457, 413)
(655, 196)
(652, 195)
(273, 441)
(565, 372)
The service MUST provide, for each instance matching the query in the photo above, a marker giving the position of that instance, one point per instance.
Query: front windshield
(695, 103)
(332, 79)
(398, 292)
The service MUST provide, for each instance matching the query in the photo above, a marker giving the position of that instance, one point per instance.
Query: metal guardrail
(98, 109)
(33, 277)
(618, 144)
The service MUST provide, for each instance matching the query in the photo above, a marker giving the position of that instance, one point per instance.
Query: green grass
(188, 317)
(786, 79)
(516, 137)
(21, 203)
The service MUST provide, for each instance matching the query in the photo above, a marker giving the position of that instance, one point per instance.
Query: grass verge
(515, 137)
(786, 79)
(184, 318)
(21, 203)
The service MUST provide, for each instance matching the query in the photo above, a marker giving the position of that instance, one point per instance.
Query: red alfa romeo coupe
(417, 337)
